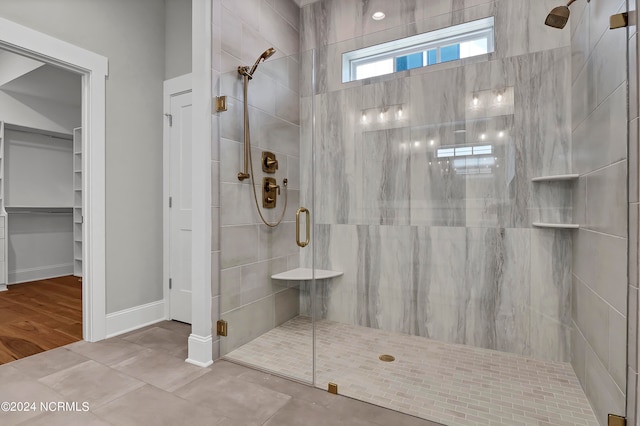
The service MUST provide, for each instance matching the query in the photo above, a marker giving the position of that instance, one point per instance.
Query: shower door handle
(305, 242)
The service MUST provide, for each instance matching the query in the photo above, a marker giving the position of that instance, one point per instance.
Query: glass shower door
(265, 218)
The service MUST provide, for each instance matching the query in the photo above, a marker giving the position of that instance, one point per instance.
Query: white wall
(177, 60)
(38, 113)
(40, 245)
(38, 170)
(131, 35)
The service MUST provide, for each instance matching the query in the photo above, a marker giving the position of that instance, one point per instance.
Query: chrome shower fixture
(248, 71)
(559, 16)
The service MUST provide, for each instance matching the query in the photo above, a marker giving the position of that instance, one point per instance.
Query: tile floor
(452, 384)
(141, 379)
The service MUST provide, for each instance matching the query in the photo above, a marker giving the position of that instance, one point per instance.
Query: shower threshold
(442, 382)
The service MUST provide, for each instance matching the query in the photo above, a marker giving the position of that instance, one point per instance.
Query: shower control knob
(269, 163)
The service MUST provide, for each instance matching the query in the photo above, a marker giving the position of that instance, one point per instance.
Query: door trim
(172, 87)
(94, 69)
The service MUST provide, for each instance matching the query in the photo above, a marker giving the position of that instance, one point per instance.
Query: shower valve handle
(270, 187)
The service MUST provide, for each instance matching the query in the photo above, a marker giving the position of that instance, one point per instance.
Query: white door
(180, 206)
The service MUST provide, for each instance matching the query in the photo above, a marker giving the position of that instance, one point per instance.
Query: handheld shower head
(249, 72)
(559, 16)
(267, 54)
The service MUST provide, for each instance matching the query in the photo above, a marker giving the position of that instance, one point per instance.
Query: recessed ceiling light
(379, 16)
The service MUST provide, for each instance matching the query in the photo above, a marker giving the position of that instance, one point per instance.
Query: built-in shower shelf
(556, 225)
(555, 178)
(306, 274)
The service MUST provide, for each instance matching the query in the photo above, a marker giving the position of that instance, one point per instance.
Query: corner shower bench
(305, 274)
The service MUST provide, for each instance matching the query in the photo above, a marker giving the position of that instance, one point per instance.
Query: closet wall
(38, 200)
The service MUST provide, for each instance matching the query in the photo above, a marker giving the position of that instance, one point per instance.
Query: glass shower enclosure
(438, 274)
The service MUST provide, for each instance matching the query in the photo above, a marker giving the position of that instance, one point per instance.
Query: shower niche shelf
(306, 274)
(554, 178)
(556, 225)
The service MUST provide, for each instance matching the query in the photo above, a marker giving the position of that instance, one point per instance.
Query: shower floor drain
(387, 358)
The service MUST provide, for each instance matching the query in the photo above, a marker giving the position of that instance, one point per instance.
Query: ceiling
(29, 77)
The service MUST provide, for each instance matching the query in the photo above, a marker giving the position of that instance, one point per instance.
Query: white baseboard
(40, 273)
(133, 318)
(200, 350)
(3, 287)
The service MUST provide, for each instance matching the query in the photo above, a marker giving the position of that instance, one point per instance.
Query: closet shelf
(38, 209)
(305, 274)
(555, 178)
(556, 225)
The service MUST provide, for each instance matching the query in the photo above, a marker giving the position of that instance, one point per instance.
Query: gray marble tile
(45, 363)
(549, 142)
(287, 305)
(152, 405)
(497, 271)
(599, 261)
(283, 35)
(604, 395)
(632, 329)
(607, 206)
(442, 280)
(578, 354)
(386, 292)
(160, 369)
(579, 42)
(289, 10)
(161, 339)
(249, 404)
(248, 322)
(62, 418)
(618, 348)
(287, 105)
(385, 157)
(336, 138)
(78, 383)
(15, 386)
(279, 135)
(236, 246)
(230, 288)
(237, 204)
(256, 279)
(551, 254)
(603, 140)
(277, 242)
(337, 250)
(448, 87)
(107, 352)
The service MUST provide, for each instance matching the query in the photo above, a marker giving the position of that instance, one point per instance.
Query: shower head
(559, 16)
(265, 55)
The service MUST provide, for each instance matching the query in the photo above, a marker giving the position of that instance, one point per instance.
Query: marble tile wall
(247, 252)
(603, 201)
(433, 246)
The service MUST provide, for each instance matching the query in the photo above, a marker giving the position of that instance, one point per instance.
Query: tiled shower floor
(447, 383)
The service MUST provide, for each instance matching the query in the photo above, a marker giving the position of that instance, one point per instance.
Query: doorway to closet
(41, 216)
(93, 70)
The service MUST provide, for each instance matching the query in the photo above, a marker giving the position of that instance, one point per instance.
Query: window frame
(456, 34)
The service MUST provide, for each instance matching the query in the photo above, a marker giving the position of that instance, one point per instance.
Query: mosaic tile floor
(447, 383)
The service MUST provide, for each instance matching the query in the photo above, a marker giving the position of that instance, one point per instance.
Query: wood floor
(38, 316)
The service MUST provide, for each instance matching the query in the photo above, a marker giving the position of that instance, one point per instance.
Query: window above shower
(447, 44)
